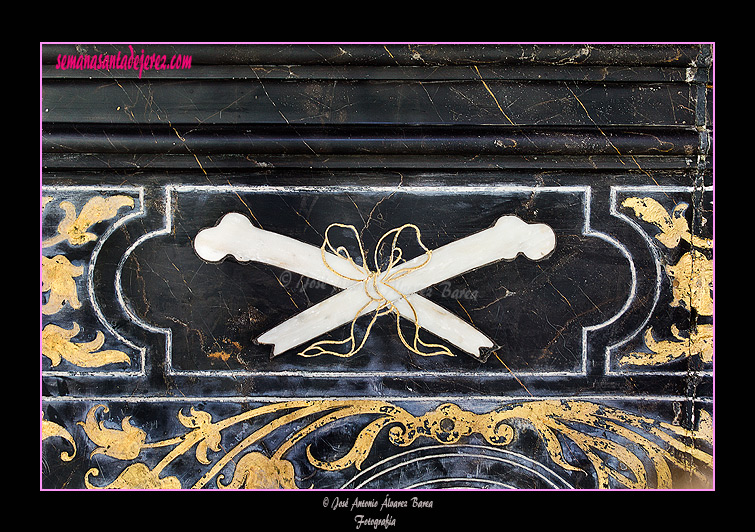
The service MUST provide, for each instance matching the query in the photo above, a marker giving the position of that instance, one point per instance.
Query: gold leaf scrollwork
(53, 430)
(620, 435)
(57, 346)
(691, 283)
(58, 278)
(74, 229)
(135, 476)
(552, 420)
(59, 282)
(448, 424)
(698, 342)
(624, 449)
(673, 226)
(256, 471)
(124, 444)
(207, 433)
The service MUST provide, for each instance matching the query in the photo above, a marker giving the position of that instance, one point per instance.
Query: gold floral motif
(58, 278)
(53, 430)
(208, 433)
(135, 476)
(59, 281)
(691, 282)
(605, 436)
(124, 444)
(674, 227)
(57, 346)
(257, 471)
(74, 228)
(699, 342)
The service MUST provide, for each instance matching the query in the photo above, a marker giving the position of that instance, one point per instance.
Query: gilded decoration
(64, 283)
(623, 449)
(691, 281)
(57, 346)
(53, 430)
(74, 228)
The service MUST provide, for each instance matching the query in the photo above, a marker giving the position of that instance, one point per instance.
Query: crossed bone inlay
(392, 289)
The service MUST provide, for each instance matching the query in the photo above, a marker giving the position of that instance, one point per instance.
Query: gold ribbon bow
(375, 284)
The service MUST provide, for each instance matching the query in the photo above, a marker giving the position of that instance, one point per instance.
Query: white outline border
(170, 190)
(446, 451)
(480, 399)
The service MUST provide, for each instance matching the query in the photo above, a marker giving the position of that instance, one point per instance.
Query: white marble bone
(236, 236)
(508, 238)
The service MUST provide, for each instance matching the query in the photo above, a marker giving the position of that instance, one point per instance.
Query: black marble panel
(601, 370)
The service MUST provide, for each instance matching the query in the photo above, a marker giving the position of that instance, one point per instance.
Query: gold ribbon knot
(377, 286)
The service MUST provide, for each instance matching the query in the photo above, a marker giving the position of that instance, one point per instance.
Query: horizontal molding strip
(425, 74)
(397, 54)
(531, 103)
(367, 140)
(112, 167)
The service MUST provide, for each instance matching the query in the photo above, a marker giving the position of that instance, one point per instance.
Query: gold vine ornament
(624, 449)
